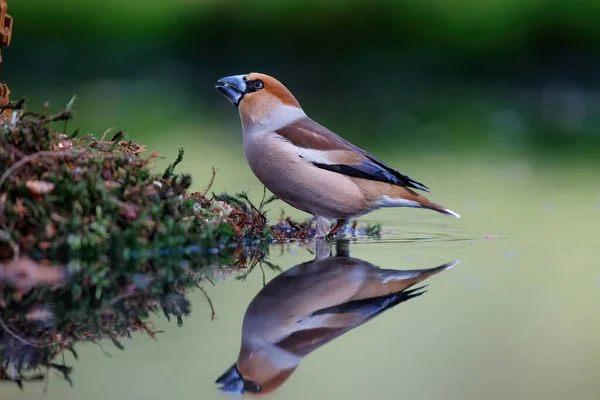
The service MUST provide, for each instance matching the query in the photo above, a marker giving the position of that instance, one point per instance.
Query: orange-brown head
(258, 97)
(259, 370)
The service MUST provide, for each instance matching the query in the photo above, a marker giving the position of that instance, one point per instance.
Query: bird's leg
(323, 249)
(338, 225)
(342, 248)
(321, 227)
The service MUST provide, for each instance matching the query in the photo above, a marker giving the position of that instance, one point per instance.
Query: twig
(106, 353)
(46, 153)
(117, 299)
(29, 158)
(210, 183)
(212, 308)
(13, 105)
(123, 204)
(47, 380)
(13, 334)
(37, 344)
(262, 201)
(16, 166)
(106, 132)
(5, 236)
(263, 275)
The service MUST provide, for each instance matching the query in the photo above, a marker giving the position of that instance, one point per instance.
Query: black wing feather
(406, 180)
(375, 172)
(370, 308)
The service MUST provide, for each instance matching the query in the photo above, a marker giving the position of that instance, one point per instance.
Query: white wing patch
(386, 201)
(318, 156)
(314, 322)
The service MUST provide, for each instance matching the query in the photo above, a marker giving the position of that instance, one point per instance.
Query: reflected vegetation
(308, 306)
(45, 310)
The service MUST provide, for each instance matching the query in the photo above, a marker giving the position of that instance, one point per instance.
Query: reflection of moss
(43, 323)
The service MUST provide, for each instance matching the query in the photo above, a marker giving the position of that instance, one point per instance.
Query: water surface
(517, 318)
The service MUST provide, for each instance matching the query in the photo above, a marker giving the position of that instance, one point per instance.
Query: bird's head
(261, 99)
(258, 371)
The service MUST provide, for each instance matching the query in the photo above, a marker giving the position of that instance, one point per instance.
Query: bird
(307, 165)
(308, 306)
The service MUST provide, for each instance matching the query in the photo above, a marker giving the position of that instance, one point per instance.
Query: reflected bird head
(259, 370)
(232, 382)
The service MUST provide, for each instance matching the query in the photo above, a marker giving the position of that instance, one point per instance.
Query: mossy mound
(65, 196)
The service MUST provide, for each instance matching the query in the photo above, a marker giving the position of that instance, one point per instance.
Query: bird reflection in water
(306, 307)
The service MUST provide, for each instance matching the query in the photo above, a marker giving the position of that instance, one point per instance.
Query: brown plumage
(308, 306)
(274, 87)
(307, 165)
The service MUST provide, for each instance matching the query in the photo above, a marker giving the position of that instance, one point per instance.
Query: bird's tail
(387, 195)
(407, 278)
(439, 208)
(402, 193)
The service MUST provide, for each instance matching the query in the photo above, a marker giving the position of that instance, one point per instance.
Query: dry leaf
(19, 208)
(39, 313)
(25, 273)
(50, 229)
(39, 187)
(112, 184)
(131, 147)
(6, 114)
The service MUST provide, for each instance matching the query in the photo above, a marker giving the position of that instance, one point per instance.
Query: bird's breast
(277, 164)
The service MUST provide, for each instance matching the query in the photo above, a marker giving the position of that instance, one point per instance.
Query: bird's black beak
(233, 88)
(233, 382)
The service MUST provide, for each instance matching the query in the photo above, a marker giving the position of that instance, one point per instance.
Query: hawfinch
(308, 306)
(307, 165)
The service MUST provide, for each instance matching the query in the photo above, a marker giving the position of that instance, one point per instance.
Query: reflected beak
(232, 382)
(232, 374)
(233, 88)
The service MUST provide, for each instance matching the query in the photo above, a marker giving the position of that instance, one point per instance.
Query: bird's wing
(325, 149)
(329, 323)
(370, 307)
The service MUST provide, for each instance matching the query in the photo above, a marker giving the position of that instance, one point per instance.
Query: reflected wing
(329, 323)
(370, 308)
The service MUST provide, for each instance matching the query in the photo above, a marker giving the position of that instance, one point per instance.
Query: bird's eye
(252, 387)
(258, 84)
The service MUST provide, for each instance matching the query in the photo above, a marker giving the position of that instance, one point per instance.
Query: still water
(516, 318)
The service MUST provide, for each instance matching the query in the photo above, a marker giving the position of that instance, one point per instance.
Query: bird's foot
(322, 249)
(339, 224)
(321, 228)
(334, 230)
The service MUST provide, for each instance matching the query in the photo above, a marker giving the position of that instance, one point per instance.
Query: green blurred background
(518, 77)
(494, 104)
